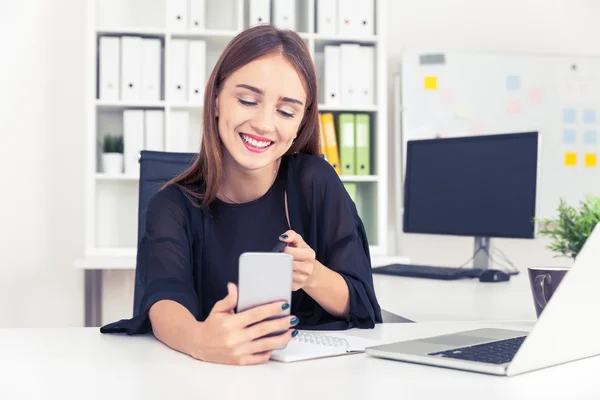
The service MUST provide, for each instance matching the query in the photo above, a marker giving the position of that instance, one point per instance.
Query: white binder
(196, 70)
(131, 68)
(108, 72)
(197, 14)
(154, 128)
(332, 75)
(284, 14)
(345, 17)
(366, 76)
(327, 17)
(349, 73)
(151, 68)
(178, 137)
(177, 14)
(178, 81)
(259, 12)
(365, 14)
(133, 140)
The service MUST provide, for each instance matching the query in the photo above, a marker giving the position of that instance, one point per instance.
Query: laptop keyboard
(499, 352)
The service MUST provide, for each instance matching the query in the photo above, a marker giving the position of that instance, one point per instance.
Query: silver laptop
(568, 329)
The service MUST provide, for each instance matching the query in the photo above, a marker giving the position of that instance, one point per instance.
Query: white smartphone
(265, 278)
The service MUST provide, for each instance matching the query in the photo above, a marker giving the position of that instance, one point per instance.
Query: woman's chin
(253, 161)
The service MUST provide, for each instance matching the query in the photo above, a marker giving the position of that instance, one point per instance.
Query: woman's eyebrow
(290, 100)
(262, 93)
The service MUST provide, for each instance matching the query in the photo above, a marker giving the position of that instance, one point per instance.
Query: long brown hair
(206, 172)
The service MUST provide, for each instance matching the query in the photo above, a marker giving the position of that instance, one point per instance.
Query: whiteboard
(463, 94)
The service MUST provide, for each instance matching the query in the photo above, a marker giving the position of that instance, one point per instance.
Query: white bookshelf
(112, 200)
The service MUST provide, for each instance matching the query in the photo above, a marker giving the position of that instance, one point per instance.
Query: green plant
(112, 144)
(572, 227)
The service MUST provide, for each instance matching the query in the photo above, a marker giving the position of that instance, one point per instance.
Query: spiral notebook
(308, 345)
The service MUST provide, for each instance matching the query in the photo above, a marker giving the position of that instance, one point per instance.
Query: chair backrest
(156, 169)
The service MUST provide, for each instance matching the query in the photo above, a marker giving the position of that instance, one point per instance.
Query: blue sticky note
(589, 137)
(513, 82)
(569, 136)
(589, 116)
(569, 116)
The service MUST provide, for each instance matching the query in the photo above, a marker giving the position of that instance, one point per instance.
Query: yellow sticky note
(570, 159)
(430, 82)
(590, 160)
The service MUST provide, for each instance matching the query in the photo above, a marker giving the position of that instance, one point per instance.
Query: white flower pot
(112, 163)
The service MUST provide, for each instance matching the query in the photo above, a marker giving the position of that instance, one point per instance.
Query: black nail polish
(284, 236)
(294, 333)
(294, 321)
(285, 306)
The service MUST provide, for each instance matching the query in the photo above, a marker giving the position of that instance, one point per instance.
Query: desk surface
(83, 363)
(431, 300)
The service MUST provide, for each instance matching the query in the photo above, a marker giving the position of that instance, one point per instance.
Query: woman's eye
(246, 103)
(286, 114)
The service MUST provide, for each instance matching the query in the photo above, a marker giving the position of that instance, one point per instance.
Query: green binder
(363, 144)
(347, 144)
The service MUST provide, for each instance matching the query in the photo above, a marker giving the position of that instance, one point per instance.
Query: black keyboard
(500, 352)
(427, 271)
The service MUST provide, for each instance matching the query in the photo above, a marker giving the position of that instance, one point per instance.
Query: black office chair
(156, 168)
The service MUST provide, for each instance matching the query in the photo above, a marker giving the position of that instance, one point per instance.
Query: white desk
(430, 300)
(82, 363)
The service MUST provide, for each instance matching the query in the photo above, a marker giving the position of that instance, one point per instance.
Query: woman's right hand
(229, 338)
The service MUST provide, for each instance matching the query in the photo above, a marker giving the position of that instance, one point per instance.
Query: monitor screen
(472, 186)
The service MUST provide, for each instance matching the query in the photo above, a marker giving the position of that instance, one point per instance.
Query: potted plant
(112, 154)
(571, 228)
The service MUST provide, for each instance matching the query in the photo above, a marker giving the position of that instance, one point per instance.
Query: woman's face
(260, 108)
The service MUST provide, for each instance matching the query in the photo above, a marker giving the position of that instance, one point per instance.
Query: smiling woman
(257, 181)
(263, 89)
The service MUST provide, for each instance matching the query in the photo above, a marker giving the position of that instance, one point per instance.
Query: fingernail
(294, 333)
(285, 306)
(294, 321)
(284, 236)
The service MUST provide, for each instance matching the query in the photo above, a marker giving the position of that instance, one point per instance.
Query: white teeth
(255, 143)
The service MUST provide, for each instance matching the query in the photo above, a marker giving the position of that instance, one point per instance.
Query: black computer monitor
(481, 186)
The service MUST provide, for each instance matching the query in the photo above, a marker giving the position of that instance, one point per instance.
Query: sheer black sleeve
(338, 236)
(164, 260)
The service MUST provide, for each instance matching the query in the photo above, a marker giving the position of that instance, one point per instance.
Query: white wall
(516, 26)
(42, 118)
(41, 162)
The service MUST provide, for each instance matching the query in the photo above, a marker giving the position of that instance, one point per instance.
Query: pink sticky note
(536, 95)
(514, 107)
(447, 96)
(477, 128)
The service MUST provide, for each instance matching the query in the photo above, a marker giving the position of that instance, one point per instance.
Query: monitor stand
(482, 255)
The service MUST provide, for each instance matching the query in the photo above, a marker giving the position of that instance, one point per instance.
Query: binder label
(347, 136)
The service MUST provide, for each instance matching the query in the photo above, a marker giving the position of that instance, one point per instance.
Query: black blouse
(190, 253)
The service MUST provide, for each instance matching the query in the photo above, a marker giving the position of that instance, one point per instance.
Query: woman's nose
(263, 122)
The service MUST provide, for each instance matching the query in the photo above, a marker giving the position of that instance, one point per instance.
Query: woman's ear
(217, 106)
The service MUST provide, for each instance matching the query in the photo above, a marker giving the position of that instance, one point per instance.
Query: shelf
(130, 31)
(119, 105)
(186, 106)
(345, 39)
(111, 208)
(349, 108)
(204, 33)
(110, 177)
(359, 178)
(101, 252)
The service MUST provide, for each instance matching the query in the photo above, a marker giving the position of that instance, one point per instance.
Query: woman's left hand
(305, 263)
